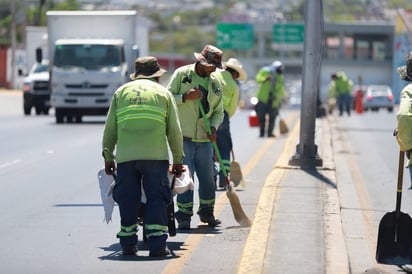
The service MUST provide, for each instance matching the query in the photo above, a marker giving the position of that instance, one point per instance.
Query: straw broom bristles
(283, 127)
(240, 215)
(236, 175)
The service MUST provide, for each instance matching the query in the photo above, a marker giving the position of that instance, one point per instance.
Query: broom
(240, 215)
(236, 175)
(283, 127)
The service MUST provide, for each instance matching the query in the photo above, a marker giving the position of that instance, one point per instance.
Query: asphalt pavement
(297, 226)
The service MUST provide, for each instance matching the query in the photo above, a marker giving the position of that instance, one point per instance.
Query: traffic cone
(359, 104)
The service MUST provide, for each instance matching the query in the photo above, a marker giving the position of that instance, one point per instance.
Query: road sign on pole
(288, 33)
(234, 36)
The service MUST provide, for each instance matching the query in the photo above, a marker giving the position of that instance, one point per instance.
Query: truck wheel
(38, 110)
(59, 116)
(27, 110)
(69, 118)
(78, 119)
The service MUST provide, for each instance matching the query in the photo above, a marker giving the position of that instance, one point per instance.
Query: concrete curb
(334, 247)
(336, 258)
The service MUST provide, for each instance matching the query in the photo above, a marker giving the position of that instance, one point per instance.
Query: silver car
(378, 96)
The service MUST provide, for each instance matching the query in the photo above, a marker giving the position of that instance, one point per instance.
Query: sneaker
(210, 220)
(129, 251)
(271, 135)
(160, 253)
(183, 220)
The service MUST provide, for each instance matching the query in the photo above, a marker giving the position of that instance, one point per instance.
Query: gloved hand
(177, 169)
(110, 167)
(401, 147)
(192, 94)
(212, 137)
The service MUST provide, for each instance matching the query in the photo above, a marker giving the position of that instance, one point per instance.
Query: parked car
(36, 91)
(378, 96)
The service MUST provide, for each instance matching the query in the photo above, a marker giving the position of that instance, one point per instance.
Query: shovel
(236, 172)
(394, 246)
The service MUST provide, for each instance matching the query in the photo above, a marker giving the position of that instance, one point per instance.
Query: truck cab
(91, 55)
(36, 92)
(85, 75)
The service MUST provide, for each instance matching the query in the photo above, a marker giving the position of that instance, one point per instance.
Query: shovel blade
(394, 246)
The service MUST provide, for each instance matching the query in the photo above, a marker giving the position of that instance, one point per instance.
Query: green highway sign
(288, 33)
(234, 36)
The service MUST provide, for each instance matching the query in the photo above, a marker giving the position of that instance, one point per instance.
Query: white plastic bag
(106, 184)
(183, 183)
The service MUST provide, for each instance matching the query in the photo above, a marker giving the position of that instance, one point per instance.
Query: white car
(378, 96)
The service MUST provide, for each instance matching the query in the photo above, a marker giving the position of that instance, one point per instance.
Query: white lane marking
(7, 164)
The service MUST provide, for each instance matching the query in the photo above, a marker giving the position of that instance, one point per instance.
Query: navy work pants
(152, 174)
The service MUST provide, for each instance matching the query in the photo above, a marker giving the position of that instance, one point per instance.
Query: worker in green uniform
(142, 121)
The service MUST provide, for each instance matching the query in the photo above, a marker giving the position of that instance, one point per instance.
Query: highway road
(52, 219)
(52, 216)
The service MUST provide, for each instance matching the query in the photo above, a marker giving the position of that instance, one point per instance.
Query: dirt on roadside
(11, 91)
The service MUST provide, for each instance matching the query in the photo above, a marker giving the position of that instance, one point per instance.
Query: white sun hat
(235, 64)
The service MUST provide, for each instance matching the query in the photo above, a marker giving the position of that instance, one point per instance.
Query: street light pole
(13, 43)
(306, 151)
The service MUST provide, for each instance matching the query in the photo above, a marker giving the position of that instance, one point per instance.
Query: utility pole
(306, 151)
(13, 43)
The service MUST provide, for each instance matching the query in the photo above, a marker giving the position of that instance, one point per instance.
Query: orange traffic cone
(359, 104)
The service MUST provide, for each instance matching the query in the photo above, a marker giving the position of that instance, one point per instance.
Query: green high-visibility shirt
(404, 117)
(185, 78)
(142, 121)
(230, 91)
(265, 86)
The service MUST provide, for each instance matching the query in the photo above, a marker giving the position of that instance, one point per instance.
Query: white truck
(91, 53)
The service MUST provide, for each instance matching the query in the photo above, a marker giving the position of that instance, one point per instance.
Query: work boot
(129, 251)
(183, 220)
(206, 216)
(211, 221)
(160, 253)
(262, 130)
(132, 250)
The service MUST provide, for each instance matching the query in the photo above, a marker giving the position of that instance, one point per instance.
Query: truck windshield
(89, 57)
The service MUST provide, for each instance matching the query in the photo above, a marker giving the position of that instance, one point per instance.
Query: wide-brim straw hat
(235, 64)
(147, 67)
